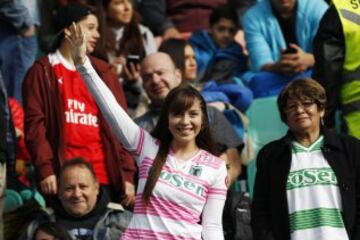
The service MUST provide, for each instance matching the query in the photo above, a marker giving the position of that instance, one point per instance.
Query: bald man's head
(159, 76)
(164, 58)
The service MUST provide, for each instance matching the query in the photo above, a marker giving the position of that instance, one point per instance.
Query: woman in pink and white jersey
(182, 184)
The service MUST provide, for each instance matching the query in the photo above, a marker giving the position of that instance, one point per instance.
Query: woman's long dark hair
(131, 42)
(176, 49)
(177, 101)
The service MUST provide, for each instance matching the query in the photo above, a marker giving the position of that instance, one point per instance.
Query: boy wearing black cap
(62, 120)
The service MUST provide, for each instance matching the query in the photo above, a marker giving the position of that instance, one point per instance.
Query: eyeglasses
(292, 107)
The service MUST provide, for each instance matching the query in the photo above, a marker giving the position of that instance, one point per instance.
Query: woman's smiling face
(185, 126)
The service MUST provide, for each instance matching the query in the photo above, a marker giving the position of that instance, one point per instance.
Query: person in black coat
(308, 182)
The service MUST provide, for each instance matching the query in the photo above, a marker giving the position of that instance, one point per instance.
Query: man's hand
(18, 133)
(49, 185)
(29, 32)
(77, 40)
(129, 199)
(132, 74)
(298, 62)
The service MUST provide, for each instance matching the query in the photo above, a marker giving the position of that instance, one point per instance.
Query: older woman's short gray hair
(300, 90)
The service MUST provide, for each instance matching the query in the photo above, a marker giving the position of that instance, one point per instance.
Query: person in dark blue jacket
(221, 62)
(218, 45)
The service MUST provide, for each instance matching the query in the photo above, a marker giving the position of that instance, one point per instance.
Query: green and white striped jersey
(313, 195)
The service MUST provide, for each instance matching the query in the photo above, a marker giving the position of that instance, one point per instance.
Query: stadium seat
(265, 126)
(29, 194)
(13, 200)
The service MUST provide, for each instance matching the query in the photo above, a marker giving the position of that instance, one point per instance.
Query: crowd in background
(59, 136)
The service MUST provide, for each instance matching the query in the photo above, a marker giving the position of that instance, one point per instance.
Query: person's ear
(97, 188)
(178, 76)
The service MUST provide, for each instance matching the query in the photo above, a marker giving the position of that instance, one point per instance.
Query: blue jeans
(267, 84)
(17, 54)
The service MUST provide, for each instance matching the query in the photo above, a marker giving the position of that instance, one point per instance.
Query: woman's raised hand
(75, 35)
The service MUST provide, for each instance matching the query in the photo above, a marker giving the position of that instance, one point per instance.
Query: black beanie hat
(73, 12)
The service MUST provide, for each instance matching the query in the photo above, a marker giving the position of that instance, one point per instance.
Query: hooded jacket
(44, 125)
(207, 53)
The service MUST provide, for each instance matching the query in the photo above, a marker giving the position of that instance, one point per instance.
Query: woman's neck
(66, 52)
(307, 138)
(184, 150)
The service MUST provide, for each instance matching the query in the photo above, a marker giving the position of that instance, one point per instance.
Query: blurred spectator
(230, 91)
(18, 45)
(127, 42)
(183, 55)
(170, 18)
(160, 76)
(51, 231)
(126, 36)
(218, 56)
(279, 37)
(8, 143)
(337, 67)
(83, 207)
(222, 61)
(22, 154)
(17, 114)
(62, 120)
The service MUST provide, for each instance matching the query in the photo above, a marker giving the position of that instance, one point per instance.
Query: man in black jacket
(332, 62)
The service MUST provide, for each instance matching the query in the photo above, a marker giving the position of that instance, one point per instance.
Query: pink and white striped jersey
(183, 196)
(179, 195)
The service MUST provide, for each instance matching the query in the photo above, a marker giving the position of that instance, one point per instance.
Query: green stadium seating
(13, 200)
(265, 126)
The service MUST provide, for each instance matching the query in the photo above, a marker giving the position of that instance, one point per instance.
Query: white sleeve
(126, 130)
(212, 220)
(213, 209)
